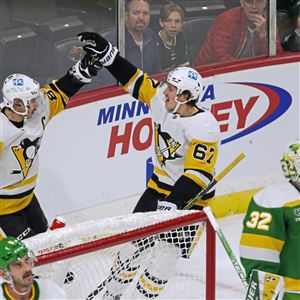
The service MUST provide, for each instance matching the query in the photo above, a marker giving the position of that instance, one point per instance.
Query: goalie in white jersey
(16, 264)
(186, 140)
(24, 113)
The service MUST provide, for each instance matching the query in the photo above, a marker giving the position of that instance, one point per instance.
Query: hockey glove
(85, 69)
(98, 47)
(166, 205)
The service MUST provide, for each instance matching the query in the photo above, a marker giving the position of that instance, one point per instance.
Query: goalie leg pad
(154, 279)
(126, 266)
(123, 271)
(265, 286)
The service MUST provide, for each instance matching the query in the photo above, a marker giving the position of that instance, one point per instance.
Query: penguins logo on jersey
(25, 153)
(165, 146)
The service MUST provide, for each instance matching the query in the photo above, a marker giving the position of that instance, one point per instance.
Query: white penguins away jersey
(19, 147)
(183, 145)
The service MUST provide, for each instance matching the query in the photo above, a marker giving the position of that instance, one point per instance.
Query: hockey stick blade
(216, 179)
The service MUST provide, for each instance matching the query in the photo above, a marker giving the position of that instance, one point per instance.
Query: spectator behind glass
(239, 32)
(172, 43)
(292, 41)
(141, 43)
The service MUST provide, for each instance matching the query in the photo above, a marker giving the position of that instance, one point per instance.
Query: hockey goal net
(87, 258)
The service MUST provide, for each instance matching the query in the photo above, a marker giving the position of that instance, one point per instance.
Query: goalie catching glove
(98, 47)
(85, 69)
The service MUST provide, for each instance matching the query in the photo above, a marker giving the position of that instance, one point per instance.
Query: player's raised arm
(137, 83)
(25, 111)
(108, 55)
(59, 91)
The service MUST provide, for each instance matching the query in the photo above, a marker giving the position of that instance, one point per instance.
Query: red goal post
(94, 245)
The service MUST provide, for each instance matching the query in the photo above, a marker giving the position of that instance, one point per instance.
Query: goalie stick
(2, 234)
(226, 245)
(213, 220)
(138, 252)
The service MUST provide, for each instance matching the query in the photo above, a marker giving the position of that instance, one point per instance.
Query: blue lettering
(209, 93)
(104, 117)
(142, 107)
(118, 112)
(128, 110)
(121, 112)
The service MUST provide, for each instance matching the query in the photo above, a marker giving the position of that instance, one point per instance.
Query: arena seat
(195, 30)
(284, 22)
(61, 28)
(19, 49)
(5, 23)
(66, 53)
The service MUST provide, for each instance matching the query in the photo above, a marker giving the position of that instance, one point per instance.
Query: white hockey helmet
(22, 87)
(186, 79)
(290, 161)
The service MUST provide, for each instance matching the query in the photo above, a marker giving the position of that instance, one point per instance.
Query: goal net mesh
(169, 255)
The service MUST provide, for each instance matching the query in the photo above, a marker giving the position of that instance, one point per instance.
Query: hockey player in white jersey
(185, 136)
(24, 113)
(16, 264)
(185, 145)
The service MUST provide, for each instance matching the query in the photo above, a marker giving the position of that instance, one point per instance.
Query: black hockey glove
(99, 47)
(166, 205)
(85, 69)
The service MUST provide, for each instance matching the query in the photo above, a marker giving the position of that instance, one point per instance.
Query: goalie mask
(290, 161)
(22, 88)
(186, 80)
(11, 250)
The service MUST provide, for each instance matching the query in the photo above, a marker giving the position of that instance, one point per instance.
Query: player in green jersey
(270, 239)
(16, 274)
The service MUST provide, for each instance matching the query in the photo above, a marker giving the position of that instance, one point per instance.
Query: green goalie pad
(265, 286)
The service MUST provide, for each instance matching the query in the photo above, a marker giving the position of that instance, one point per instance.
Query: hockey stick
(215, 180)
(227, 248)
(213, 221)
(138, 252)
(2, 234)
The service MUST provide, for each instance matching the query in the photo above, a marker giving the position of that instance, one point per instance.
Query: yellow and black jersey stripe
(142, 87)
(57, 99)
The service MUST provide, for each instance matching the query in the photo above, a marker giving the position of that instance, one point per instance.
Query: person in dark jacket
(292, 41)
(141, 43)
(240, 32)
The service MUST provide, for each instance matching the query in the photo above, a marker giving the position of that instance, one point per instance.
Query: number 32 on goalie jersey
(259, 220)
